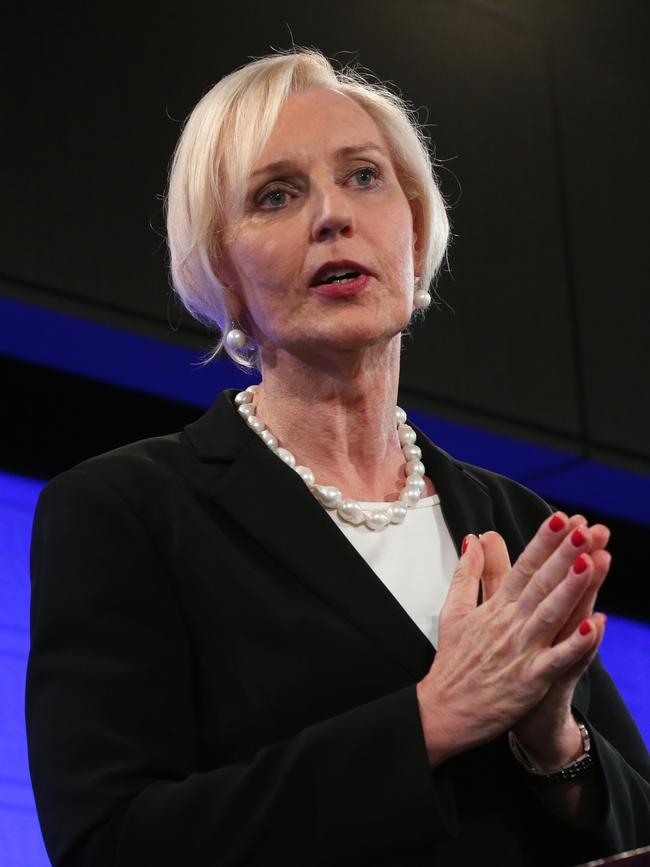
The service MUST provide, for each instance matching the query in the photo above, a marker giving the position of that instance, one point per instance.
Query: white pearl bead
(269, 439)
(236, 339)
(396, 512)
(255, 423)
(410, 496)
(421, 299)
(412, 452)
(350, 511)
(406, 435)
(414, 468)
(307, 475)
(286, 456)
(415, 482)
(329, 496)
(377, 520)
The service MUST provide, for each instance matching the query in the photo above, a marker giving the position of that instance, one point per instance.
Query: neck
(339, 418)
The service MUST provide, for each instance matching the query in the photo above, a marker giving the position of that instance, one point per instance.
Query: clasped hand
(513, 661)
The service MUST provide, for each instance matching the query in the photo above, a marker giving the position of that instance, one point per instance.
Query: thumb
(463, 590)
(497, 562)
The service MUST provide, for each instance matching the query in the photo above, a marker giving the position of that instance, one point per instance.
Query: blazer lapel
(466, 503)
(283, 517)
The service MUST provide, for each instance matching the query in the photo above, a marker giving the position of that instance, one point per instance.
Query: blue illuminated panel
(20, 837)
(626, 653)
(40, 336)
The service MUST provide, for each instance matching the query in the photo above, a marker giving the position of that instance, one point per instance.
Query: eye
(365, 176)
(272, 199)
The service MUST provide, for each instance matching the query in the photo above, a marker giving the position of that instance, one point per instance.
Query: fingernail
(584, 628)
(466, 543)
(578, 538)
(580, 564)
(556, 524)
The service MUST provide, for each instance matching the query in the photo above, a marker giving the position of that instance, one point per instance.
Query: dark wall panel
(601, 68)
(541, 317)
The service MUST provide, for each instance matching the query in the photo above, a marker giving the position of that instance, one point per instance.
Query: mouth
(341, 273)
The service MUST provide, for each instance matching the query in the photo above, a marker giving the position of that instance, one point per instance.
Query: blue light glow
(626, 654)
(41, 336)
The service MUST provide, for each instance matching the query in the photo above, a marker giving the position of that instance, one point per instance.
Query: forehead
(318, 122)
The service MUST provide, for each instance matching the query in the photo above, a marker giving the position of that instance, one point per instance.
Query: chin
(353, 338)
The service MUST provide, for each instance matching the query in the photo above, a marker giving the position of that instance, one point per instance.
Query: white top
(415, 559)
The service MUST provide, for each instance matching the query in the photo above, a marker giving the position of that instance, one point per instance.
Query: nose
(332, 216)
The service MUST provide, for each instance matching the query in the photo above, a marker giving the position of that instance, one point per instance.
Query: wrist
(552, 746)
(439, 745)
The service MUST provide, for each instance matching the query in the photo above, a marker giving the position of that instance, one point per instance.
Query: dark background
(538, 111)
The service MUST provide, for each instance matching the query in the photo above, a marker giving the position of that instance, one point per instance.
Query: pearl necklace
(330, 497)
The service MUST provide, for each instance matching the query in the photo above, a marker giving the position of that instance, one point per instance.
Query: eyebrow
(347, 151)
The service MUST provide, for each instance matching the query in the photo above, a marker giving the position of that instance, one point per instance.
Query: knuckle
(555, 665)
(526, 566)
(547, 614)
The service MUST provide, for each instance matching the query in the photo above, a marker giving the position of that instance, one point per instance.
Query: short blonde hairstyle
(224, 137)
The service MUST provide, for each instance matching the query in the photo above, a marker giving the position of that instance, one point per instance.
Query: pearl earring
(421, 298)
(237, 340)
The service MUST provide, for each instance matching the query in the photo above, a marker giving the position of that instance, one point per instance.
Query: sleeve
(622, 760)
(624, 765)
(111, 720)
(622, 757)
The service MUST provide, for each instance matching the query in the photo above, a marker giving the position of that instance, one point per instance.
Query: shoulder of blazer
(473, 499)
(219, 434)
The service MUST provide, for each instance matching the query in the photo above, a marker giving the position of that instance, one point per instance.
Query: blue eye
(275, 198)
(365, 176)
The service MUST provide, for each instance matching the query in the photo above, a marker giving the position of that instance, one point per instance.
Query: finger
(574, 654)
(553, 570)
(550, 534)
(555, 609)
(600, 535)
(463, 590)
(585, 607)
(599, 532)
(497, 562)
(599, 621)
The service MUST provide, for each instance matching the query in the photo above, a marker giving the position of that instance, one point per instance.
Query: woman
(240, 652)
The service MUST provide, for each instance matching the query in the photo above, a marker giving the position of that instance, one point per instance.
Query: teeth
(339, 276)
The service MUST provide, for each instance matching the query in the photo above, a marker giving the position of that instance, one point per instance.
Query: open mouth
(342, 278)
(341, 271)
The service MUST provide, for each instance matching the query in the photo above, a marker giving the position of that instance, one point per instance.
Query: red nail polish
(580, 564)
(584, 628)
(556, 524)
(465, 544)
(578, 538)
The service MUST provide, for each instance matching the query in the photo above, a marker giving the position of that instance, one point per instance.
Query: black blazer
(217, 677)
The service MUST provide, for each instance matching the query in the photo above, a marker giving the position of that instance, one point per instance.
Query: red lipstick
(340, 278)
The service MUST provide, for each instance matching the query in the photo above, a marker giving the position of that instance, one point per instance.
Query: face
(323, 195)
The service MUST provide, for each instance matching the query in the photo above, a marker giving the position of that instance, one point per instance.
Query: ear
(229, 279)
(233, 300)
(418, 232)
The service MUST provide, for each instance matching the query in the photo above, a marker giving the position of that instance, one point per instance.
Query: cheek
(399, 246)
(264, 262)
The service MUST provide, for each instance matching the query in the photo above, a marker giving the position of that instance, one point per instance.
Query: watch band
(561, 775)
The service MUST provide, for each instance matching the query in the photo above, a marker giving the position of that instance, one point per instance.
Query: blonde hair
(224, 137)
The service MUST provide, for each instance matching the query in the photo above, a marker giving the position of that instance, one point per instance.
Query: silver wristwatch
(561, 775)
